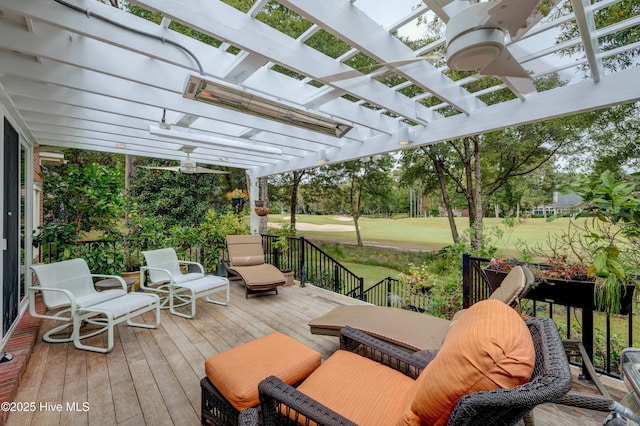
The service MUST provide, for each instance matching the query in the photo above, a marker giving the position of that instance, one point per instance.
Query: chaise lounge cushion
(237, 371)
(411, 330)
(247, 260)
(488, 348)
(513, 286)
(364, 391)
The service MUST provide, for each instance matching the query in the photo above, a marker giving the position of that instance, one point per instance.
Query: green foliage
(440, 279)
(392, 259)
(102, 257)
(80, 200)
(606, 17)
(213, 232)
(612, 237)
(177, 198)
(324, 279)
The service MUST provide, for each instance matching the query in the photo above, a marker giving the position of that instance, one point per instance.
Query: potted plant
(280, 247)
(260, 208)
(237, 196)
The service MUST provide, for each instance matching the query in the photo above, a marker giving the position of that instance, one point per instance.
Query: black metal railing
(310, 264)
(571, 305)
(391, 292)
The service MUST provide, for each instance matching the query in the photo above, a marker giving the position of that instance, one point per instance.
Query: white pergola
(91, 76)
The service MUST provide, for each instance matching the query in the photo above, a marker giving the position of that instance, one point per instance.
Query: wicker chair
(551, 378)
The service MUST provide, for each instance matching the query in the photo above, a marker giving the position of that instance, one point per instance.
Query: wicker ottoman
(231, 384)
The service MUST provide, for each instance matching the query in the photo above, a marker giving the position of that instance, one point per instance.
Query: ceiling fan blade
(361, 71)
(505, 65)
(211, 171)
(534, 18)
(170, 168)
(512, 15)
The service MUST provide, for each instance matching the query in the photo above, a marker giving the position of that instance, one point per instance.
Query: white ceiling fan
(476, 35)
(187, 165)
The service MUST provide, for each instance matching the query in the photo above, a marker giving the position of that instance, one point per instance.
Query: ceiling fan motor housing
(188, 166)
(472, 40)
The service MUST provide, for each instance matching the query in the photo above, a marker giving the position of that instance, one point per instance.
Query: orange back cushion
(489, 347)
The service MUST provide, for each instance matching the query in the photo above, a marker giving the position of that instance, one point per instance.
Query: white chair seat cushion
(99, 297)
(179, 279)
(205, 283)
(124, 304)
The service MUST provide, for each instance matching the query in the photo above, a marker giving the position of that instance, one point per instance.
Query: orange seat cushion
(364, 391)
(237, 371)
(489, 347)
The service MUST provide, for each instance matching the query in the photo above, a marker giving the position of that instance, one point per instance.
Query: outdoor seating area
(178, 289)
(153, 377)
(67, 288)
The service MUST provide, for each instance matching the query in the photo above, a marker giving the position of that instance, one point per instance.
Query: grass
(426, 233)
(371, 274)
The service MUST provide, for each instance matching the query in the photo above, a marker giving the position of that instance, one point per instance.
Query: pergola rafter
(72, 78)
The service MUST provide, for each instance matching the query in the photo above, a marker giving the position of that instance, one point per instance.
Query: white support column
(254, 194)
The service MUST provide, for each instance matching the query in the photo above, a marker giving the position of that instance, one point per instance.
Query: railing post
(388, 292)
(466, 280)
(361, 285)
(336, 279)
(301, 263)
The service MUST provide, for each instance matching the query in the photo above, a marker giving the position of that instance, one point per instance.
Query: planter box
(289, 277)
(573, 293)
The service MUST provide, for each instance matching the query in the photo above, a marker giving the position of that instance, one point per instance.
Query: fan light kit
(207, 91)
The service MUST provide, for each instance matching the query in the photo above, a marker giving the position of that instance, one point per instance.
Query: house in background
(562, 203)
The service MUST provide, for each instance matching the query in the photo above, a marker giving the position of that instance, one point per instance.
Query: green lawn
(371, 274)
(424, 233)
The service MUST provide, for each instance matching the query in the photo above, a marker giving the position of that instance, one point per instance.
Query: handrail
(310, 264)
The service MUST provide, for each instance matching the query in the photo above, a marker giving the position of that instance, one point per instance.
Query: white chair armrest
(32, 302)
(186, 262)
(121, 280)
(166, 271)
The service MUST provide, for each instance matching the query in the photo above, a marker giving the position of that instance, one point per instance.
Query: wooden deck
(152, 376)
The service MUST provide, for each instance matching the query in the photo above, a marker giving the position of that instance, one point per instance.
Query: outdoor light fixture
(199, 137)
(403, 136)
(207, 91)
(322, 156)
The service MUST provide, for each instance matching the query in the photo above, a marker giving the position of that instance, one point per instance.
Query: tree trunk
(446, 200)
(358, 236)
(264, 196)
(129, 171)
(293, 201)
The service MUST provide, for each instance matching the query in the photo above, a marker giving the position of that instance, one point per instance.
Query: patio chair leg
(220, 302)
(77, 322)
(180, 314)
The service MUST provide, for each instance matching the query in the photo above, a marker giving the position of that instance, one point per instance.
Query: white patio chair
(68, 286)
(166, 278)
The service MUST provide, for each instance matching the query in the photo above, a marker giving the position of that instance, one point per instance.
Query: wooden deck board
(152, 376)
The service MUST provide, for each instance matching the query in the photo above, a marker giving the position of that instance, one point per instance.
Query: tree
(477, 167)
(356, 184)
(79, 200)
(174, 198)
